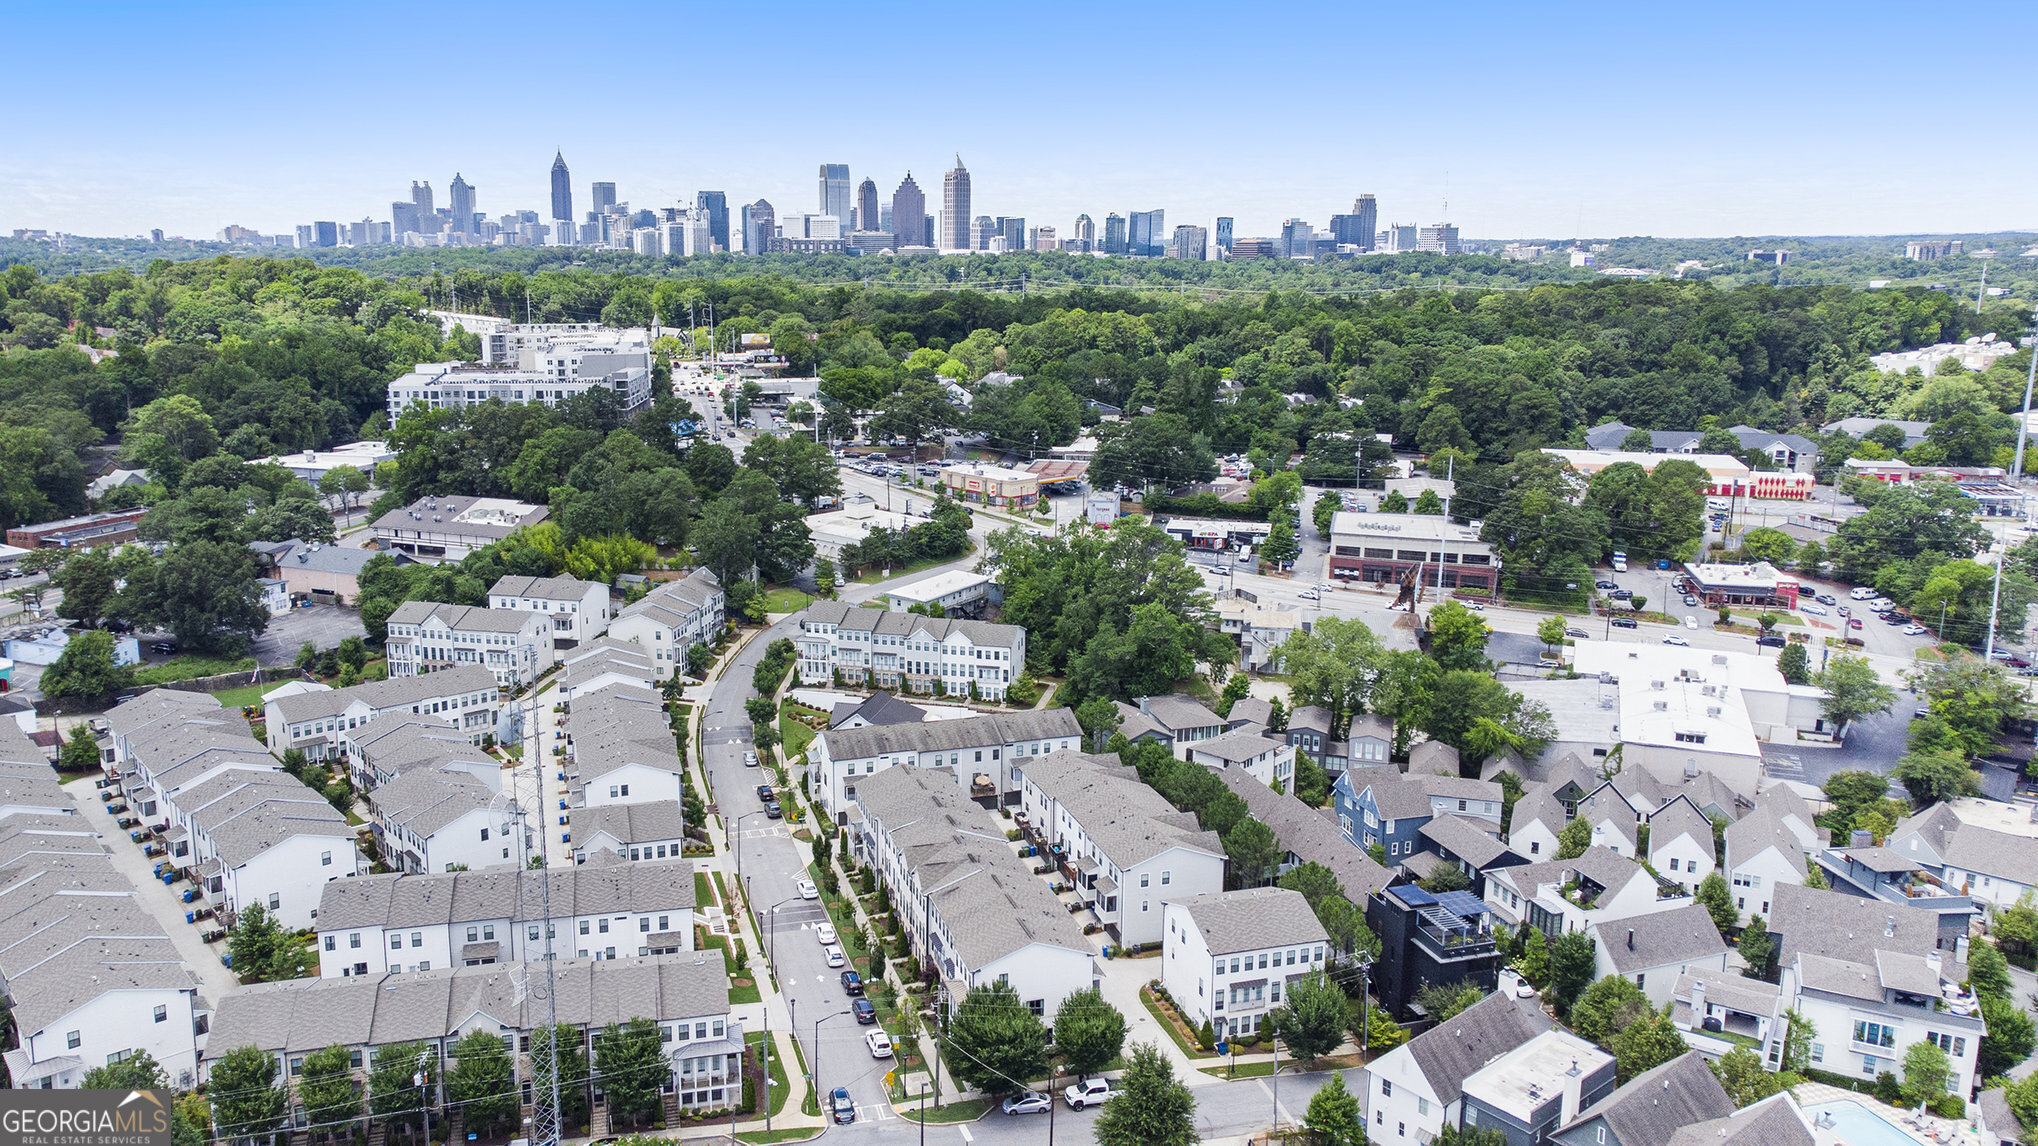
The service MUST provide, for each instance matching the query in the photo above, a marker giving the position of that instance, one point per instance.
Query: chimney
(1698, 1003)
(1888, 926)
(1932, 959)
(1861, 838)
(1960, 950)
(1631, 939)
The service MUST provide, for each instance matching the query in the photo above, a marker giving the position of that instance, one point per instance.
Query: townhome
(1175, 720)
(632, 831)
(1680, 842)
(1415, 1090)
(938, 656)
(1653, 1108)
(427, 637)
(167, 758)
(264, 838)
(442, 820)
(1718, 1011)
(315, 720)
(1123, 847)
(379, 752)
(1429, 938)
(1308, 835)
(1380, 807)
(1899, 882)
(1654, 949)
(1791, 810)
(605, 661)
(606, 908)
(126, 719)
(686, 997)
(1762, 855)
(1472, 846)
(672, 618)
(1531, 1091)
(877, 708)
(621, 749)
(579, 610)
(1557, 896)
(1229, 956)
(972, 909)
(984, 753)
(1538, 817)
(1263, 758)
(1985, 849)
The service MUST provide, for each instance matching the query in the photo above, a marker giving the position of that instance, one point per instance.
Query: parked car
(1549, 663)
(866, 1014)
(1604, 585)
(1861, 593)
(852, 982)
(1770, 641)
(1622, 594)
(807, 889)
(880, 1044)
(1691, 623)
(835, 957)
(772, 811)
(825, 932)
(1813, 608)
(1828, 599)
(1087, 1092)
(1677, 641)
(1026, 1102)
(750, 759)
(842, 1105)
(1855, 623)
(1309, 595)
(1690, 601)
(764, 792)
(1913, 629)
(1577, 633)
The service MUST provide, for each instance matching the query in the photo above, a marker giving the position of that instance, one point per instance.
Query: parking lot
(325, 626)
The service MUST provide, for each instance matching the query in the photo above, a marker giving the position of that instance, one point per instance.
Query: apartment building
(315, 719)
(613, 362)
(426, 637)
(924, 655)
(1124, 848)
(1228, 957)
(672, 618)
(579, 609)
(441, 529)
(985, 753)
(606, 908)
(621, 749)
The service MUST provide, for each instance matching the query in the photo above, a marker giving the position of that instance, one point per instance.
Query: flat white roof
(1761, 574)
(996, 473)
(938, 586)
(1996, 816)
(1531, 1074)
(1591, 461)
(1414, 526)
(1668, 691)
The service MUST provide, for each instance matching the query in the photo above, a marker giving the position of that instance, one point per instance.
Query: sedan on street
(1814, 610)
(825, 932)
(1026, 1102)
(835, 958)
(1913, 630)
(1677, 641)
(807, 889)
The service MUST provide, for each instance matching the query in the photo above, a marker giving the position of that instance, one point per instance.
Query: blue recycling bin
(190, 917)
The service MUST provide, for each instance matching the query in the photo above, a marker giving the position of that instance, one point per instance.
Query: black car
(865, 1013)
(1626, 623)
(852, 982)
(1622, 594)
(1603, 585)
(1770, 641)
(764, 792)
(772, 811)
(163, 647)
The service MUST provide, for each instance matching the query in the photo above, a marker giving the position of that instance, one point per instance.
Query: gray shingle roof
(877, 708)
(887, 623)
(1252, 709)
(2002, 1122)
(424, 800)
(1127, 820)
(1310, 717)
(1656, 1103)
(942, 735)
(1252, 918)
(544, 588)
(1308, 833)
(1774, 1121)
(122, 719)
(1467, 839)
(456, 897)
(1175, 712)
(631, 823)
(462, 618)
(386, 694)
(1433, 757)
(1841, 926)
(1237, 746)
(343, 560)
(1449, 1053)
(1538, 805)
(1759, 831)
(1681, 935)
(679, 599)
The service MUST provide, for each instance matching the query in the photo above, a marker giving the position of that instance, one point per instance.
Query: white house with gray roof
(1557, 896)
(264, 838)
(985, 752)
(605, 661)
(1228, 957)
(1264, 758)
(606, 908)
(1762, 855)
(621, 749)
(632, 831)
(672, 618)
(1413, 1091)
(1178, 720)
(685, 996)
(1124, 848)
(427, 637)
(909, 652)
(578, 610)
(316, 721)
(972, 909)
(1653, 949)
(1986, 849)
(429, 819)
(1653, 1108)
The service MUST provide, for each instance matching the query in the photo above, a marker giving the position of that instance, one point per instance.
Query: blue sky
(1537, 120)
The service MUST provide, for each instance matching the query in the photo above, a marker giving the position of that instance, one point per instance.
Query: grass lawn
(765, 1138)
(1153, 1008)
(703, 891)
(877, 575)
(968, 1110)
(786, 600)
(234, 698)
(354, 821)
(779, 1089)
(191, 667)
(749, 994)
(795, 734)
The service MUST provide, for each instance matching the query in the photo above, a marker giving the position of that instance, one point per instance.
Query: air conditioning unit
(1713, 711)
(1662, 706)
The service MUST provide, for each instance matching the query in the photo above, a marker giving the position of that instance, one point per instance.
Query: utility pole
(544, 1099)
(1450, 475)
(2016, 475)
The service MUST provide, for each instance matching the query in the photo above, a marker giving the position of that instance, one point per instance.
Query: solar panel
(1414, 896)
(1462, 902)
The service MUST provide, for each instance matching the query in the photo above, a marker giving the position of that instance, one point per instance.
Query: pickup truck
(1087, 1092)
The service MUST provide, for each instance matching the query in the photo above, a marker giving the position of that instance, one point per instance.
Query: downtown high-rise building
(1084, 232)
(403, 219)
(867, 214)
(1224, 233)
(1368, 211)
(713, 206)
(562, 188)
(462, 206)
(1146, 234)
(982, 230)
(1013, 231)
(1114, 234)
(909, 214)
(1298, 240)
(760, 226)
(955, 216)
(1190, 242)
(604, 196)
(834, 191)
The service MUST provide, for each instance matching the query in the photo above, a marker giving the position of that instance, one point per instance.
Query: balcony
(1455, 942)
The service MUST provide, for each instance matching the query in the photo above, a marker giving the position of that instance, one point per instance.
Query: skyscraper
(462, 206)
(1114, 234)
(955, 216)
(983, 229)
(1224, 233)
(714, 206)
(562, 188)
(421, 195)
(403, 219)
(1368, 212)
(1146, 235)
(760, 226)
(1085, 231)
(1298, 240)
(867, 216)
(604, 198)
(1189, 243)
(835, 191)
(1013, 230)
(909, 214)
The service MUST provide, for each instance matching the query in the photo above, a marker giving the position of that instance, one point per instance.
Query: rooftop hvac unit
(1662, 706)
(1713, 711)
(1606, 702)
(1657, 685)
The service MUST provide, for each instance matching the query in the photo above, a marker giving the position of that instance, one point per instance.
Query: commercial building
(617, 362)
(1787, 451)
(909, 214)
(315, 572)
(986, 753)
(315, 720)
(579, 610)
(1118, 843)
(1229, 957)
(1730, 476)
(672, 618)
(427, 637)
(1190, 243)
(1758, 585)
(439, 529)
(1146, 234)
(88, 532)
(837, 530)
(314, 465)
(1214, 534)
(1381, 547)
(925, 655)
(959, 592)
(957, 230)
(973, 911)
(991, 485)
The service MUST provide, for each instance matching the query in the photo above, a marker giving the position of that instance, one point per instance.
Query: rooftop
(1252, 918)
(1523, 1079)
(939, 585)
(1412, 526)
(1684, 934)
(1457, 1048)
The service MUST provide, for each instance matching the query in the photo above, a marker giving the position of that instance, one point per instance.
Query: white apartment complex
(986, 753)
(439, 529)
(906, 651)
(579, 609)
(316, 719)
(427, 637)
(546, 369)
(672, 618)
(1229, 956)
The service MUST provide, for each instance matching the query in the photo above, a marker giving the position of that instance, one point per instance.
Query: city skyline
(1531, 124)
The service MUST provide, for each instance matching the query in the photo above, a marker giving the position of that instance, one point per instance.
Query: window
(473, 933)
(1673, 863)
(1422, 1108)
(331, 942)
(602, 925)
(162, 1013)
(275, 900)
(1536, 847)
(354, 940)
(325, 859)
(583, 927)
(1386, 1089)
(1167, 877)
(396, 942)
(1143, 877)
(417, 939)
(484, 833)
(72, 1040)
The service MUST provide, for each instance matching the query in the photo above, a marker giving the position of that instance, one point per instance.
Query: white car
(880, 1044)
(1691, 623)
(1814, 610)
(835, 957)
(1676, 641)
(1913, 630)
(825, 932)
(807, 889)
(1309, 595)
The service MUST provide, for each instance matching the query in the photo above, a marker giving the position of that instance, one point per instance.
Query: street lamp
(815, 1068)
(729, 839)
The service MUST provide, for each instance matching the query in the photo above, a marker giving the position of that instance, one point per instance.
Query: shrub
(1888, 1089)
(1949, 1106)
(1205, 1037)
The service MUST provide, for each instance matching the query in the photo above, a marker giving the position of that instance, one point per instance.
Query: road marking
(965, 1134)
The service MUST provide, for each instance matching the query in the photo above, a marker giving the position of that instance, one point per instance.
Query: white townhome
(1982, 848)
(906, 651)
(606, 908)
(621, 749)
(427, 637)
(1653, 949)
(984, 752)
(264, 838)
(672, 618)
(1229, 956)
(633, 831)
(1125, 849)
(315, 720)
(579, 610)
(1680, 842)
(1557, 896)
(1264, 758)
(603, 662)
(1415, 1090)
(972, 909)
(430, 819)
(1762, 855)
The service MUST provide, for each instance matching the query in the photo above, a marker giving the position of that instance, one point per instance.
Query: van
(1861, 593)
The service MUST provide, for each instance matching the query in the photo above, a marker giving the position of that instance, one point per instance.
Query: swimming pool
(1856, 1125)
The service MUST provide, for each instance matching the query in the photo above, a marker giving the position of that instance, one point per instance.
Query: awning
(487, 950)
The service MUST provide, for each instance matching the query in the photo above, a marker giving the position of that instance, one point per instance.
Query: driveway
(160, 900)
(325, 626)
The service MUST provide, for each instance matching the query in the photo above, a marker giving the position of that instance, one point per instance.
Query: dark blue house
(1382, 806)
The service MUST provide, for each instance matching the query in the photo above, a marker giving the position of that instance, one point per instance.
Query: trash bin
(190, 917)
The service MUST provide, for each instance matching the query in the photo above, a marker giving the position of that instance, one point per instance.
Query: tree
(1936, 776)
(1550, 631)
(1153, 1108)
(1253, 851)
(999, 1043)
(339, 486)
(1797, 1042)
(393, 1092)
(1765, 544)
(1795, 664)
(1470, 1136)
(85, 668)
(1853, 690)
(1741, 1075)
(1571, 967)
(482, 1083)
(168, 434)
(1441, 1001)
(259, 946)
(1607, 1006)
(80, 753)
(2010, 1038)
(1645, 1044)
(1534, 963)
(1573, 838)
(247, 1105)
(1718, 900)
(631, 1066)
(90, 586)
(1756, 948)
(572, 1072)
(1336, 664)
(140, 1071)
(1333, 1114)
(1927, 1071)
(205, 592)
(1327, 507)
(1428, 504)
(1457, 638)
(1393, 501)
(1088, 1032)
(326, 1087)
(1311, 1022)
